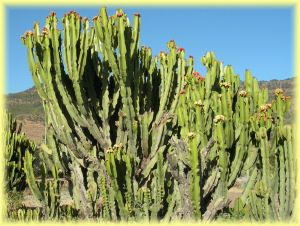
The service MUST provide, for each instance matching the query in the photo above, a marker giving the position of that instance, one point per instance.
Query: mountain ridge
(26, 106)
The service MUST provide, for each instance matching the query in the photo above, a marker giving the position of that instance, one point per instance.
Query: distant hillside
(27, 106)
(288, 87)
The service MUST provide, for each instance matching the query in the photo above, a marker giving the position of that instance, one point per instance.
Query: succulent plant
(146, 137)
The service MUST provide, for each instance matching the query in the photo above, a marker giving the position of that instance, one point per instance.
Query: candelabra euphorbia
(101, 89)
(142, 137)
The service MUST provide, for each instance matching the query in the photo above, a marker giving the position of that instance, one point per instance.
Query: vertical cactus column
(215, 108)
(270, 192)
(16, 145)
(106, 91)
(113, 112)
(47, 191)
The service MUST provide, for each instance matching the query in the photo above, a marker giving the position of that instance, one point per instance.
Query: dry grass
(33, 130)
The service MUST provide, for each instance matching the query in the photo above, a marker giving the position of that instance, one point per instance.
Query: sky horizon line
(240, 80)
(256, 38)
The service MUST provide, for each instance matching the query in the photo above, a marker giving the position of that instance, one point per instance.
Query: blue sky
(255, 38)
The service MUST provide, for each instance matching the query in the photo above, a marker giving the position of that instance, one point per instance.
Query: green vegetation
(147, 138)
(25, 105)
(22, 107)
(249, 136)
(16, 144)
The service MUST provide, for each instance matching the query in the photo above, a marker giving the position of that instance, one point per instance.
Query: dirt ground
(234, 193)
(36, 130)
(30, 201)
(33, 130)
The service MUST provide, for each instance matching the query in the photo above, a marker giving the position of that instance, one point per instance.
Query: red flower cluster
(182, 91)
(119, 14)
(198, 76)
(181, 49)
(171, 44)
(28, 33)
(283, 97)
(137, 14)
(73, 12)
(45, 31)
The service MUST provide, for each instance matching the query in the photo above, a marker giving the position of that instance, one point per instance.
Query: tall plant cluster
(16, 145)
(142, 137)
(245, 135)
